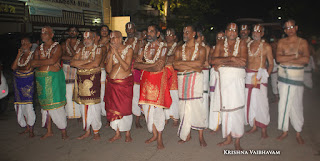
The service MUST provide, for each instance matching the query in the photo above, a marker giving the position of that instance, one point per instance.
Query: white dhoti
(274, 78)
(102, 92)
(230, 90)
(257, 105)
(193, 114)
(154, 116)
(58, 117)
(72, 108)
(136, 110)
(291, 97)
(173, 111)
(206, 88)
(123, 124)
(25, 114)
(214, 112)
(91, 115)
(308, 73)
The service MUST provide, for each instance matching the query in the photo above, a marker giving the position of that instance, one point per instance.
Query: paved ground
(20, 148)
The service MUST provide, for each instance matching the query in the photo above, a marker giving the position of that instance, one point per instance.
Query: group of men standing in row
(163, 79)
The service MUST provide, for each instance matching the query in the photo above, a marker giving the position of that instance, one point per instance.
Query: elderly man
(50, 83)
(257, 105)
(230, 57)
(87, 85)
(120, 87)
(292, 54)
(24, 87)
(154, 90)
(189, 61)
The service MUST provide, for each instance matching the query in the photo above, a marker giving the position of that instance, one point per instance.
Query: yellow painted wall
(118, 23)
(106, 12)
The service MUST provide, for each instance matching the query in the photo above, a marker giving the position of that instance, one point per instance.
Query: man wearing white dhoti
(257, 105)
(189, 61)
(292, 54)
(229, 60)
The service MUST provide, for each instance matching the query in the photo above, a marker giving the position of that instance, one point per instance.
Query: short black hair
(194, 28)
(156, 27)
(70, 27)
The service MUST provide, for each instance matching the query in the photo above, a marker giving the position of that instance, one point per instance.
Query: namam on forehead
(244, 27)
(130, 25)
(46, 29)
(232, 26)
(258, 28)
(88, 34)
(169, 32)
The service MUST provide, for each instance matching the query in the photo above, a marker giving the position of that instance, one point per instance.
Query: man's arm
(242, 60)
(93, 63)
(55, 57)
(125, 64)
(76, 62)
(109, 62)
(155, 67)
(14, 65)
(280, 57)
(303, 58)
(268, 51)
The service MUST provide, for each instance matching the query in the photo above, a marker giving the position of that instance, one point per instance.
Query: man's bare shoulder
(243, 43)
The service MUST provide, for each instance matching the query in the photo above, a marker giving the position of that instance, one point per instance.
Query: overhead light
(279, 18)
(96, 20)
(279, 8)
(211, 28)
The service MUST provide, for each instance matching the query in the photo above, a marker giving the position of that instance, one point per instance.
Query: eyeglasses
(288, 28)
(220, 38)
(234, 30)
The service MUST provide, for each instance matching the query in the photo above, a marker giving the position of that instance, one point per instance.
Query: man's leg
(128, 136)
(117, 136)
(49, 128)
(201, 139)
(227, 141)
(155, 135)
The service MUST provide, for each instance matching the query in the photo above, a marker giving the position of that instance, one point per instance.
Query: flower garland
(133, 44)
(257, 51)
(171, 49)
(74, 48)
(235, 48)
(196, 47)
(85, 54)
(27, 61)
(156, 57)
(47, 53)
(123, 54)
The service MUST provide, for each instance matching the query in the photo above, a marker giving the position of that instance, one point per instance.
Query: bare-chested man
(24, 87)
(51, 84)
(230, 57)
(69, 49)
(214, 111)
(104, 43)
(244, 33)
(173, 111)
(205, 71)
(120, 87)
(257, 105)
(87, 84)
(154, 90)
(189, 61)
(292, 54)
(133, 41)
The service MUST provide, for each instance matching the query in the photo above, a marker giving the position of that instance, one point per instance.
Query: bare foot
(237, 147)
(138, 125)
(264, 134)
(87, 134)
(182, 141)
(282, 136)
(160, 146)
(96, 136)
(299, 139)
(46, 135)
(24, 132)
(128, 139)
(226, 142)
(203, 143)
(213, 132)
(151, 140)
(254, 129)
(31, 134)
(114, 138)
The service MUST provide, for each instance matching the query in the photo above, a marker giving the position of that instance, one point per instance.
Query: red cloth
(118, 98)
(172, 78)
(154, 89)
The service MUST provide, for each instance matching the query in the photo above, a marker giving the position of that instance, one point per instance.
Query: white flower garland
(123, 54)
(257, 51)
(235, 48)
(74, 48)
(248, 40)
(171, 49)
(196, 48)
(133, 44)
(156, 57)
(203, 44)
(47, 53)
(85, 54)
(27, 61)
